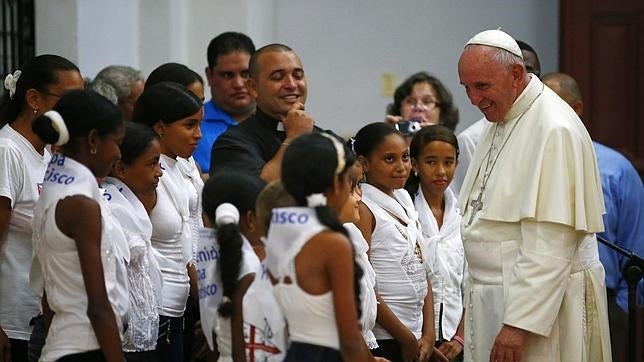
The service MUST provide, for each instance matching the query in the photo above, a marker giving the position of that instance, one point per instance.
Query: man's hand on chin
(508, 345)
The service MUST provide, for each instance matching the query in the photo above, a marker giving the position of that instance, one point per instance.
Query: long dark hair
(37, 73)
(308, 167)
(240, 190)
(421, 139)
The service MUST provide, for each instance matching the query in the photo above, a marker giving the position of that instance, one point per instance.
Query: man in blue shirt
(231, 103)
(623, 220)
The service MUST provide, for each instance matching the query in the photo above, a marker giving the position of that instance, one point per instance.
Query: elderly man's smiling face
(490, 85)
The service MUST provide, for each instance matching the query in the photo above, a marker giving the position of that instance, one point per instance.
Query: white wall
(345, 46)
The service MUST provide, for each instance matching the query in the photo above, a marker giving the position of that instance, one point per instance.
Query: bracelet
(286, 143)
(459, 339)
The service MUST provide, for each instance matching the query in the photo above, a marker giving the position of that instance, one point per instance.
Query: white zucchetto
(498, 39)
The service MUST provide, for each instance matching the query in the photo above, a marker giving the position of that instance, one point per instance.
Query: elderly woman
(422, 97)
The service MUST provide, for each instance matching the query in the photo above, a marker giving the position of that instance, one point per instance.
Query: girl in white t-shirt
(81, 247)
(174, 113)
(389, 222)
(131, 193)
(29, 92)
(250, 324)
(434, 156)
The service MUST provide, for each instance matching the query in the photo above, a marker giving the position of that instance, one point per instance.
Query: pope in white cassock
(531, 203)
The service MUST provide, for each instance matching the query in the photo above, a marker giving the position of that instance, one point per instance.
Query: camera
(408, 127)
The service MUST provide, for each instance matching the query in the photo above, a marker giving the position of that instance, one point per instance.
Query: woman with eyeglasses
(424, 98)
(29, 92)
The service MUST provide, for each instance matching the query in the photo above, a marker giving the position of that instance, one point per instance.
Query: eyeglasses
(428, 103)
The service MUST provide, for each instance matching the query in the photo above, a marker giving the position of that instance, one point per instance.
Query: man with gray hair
(128, 84)
(531, 204)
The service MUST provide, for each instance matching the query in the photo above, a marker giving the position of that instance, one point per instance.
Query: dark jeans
(18, 350)
(37, 338)
(388, 348)
(305, 352)
(91, 356)
(170, 342)
(190, 317)
(147, 356)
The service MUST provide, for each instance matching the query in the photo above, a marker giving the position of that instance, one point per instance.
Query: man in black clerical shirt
(278, 84)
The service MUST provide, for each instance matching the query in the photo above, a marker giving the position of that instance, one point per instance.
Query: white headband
(59, 125)
(226, 213)
(10, 82)
(339, 149)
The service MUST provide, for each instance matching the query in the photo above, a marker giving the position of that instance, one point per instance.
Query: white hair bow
(10, 82)
(315, 200)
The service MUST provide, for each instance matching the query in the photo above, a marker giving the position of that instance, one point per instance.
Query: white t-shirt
(264, 323)
(171, 237)
(21, 173)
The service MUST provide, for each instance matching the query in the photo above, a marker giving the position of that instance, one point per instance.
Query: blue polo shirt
(623, 220)
(215, 122)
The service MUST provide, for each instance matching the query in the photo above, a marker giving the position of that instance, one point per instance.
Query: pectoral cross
(477, 205)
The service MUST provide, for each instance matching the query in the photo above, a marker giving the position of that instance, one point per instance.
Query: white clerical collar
(525, 99)
(280, 126)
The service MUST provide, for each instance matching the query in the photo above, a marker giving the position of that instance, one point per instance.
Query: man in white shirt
(531, 202)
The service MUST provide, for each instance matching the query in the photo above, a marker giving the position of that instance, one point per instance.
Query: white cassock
(531, 248)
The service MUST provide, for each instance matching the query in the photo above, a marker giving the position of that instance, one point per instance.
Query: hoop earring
(92, 151)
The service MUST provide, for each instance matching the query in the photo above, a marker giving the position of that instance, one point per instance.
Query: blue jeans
(170, 342)
(301, 352)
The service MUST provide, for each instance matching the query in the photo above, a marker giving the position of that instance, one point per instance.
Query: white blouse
(144, 276)
(171, 237)
(401, 274)
(368, 300)
(446, 260)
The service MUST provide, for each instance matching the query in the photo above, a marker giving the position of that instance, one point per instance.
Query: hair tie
(59, 125)
(352, 144)
(226, 213)
(315, 200)
(10, 82)
(339, 149)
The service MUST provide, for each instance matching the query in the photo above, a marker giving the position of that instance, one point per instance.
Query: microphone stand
(632, 272)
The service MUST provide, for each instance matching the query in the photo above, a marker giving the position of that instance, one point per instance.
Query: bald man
(624, 217)
(278, 84)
